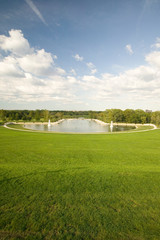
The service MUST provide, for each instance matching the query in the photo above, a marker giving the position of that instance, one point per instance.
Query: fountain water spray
(49, 123)
(111, 126)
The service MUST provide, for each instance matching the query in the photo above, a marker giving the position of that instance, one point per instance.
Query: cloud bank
(31, 75)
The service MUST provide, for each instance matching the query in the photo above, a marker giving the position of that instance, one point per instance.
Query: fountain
(49, 123)
(111, 126)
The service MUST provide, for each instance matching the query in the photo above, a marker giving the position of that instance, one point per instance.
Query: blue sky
(79, 55)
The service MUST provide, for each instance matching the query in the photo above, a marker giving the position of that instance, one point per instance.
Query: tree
(129, 116)
(31, 115)
(46, 115)
(156, 118)
(17, 116)
(117, 115)
(59, 115)
(140, 116)
(37, 115)
(143, 119)
(109, 115)
(2, 115)
(12, 116)
(102, 116)
(92, 115)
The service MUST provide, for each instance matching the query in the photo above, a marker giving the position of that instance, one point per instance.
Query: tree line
(42, 115)
(130, 116)
(115, 115)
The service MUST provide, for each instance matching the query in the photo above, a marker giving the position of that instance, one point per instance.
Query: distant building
(148, 111)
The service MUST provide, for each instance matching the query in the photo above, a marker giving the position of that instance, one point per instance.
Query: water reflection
(78, 126)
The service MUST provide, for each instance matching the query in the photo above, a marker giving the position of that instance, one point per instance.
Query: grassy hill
(60, 186)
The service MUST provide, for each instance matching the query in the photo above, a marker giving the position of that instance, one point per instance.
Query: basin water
(78, 126)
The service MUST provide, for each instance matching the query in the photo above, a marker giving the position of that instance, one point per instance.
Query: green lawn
(72, 186)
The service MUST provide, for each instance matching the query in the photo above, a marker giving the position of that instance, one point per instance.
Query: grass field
(60, 186)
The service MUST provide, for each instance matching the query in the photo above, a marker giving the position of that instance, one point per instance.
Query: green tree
(31, 115)
(92, 115)
(143, 119)
(155, 118)
(109, 115)
(140, 116)
(37, 115)
(129, 116)
(17, 116)
(59, 115)
(46, 115)
(117, 115)
(12, 116)
(2, 115)
(101, 116)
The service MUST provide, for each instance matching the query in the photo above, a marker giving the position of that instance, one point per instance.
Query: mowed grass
(70, 186)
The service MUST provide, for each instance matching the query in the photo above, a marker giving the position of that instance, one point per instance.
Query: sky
(80, 54)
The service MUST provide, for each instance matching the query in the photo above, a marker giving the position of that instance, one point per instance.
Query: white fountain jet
(49, 123)
(111, 126)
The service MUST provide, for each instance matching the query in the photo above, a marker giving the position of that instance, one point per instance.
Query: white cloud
(90, 65)
(60, 71)
(10, 68)
(71, 79)
(154, 59)
(91, 79)
(73, 72)
(32, 76)
(93, 71)
(15, 43)
(157, 44)
(78, 58)
(37, 63)
(129, 49)
(35, 10)
(140, 84)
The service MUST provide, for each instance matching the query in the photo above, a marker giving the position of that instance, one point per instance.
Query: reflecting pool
(78, 126)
